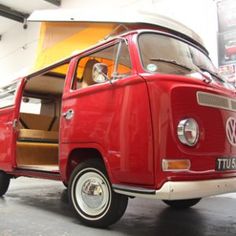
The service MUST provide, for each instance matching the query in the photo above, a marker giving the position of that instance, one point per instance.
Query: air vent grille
(216, 101)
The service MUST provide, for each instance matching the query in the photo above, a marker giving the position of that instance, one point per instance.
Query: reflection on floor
(40, 207)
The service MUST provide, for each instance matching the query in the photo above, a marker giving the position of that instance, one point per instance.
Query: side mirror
(99, 73)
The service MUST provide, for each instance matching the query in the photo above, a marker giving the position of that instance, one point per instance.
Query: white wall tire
(92, 197)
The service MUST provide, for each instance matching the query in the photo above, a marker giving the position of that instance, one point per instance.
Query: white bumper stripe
(172, 190)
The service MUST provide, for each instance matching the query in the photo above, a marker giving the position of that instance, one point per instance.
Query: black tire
(182, 204)
(92, 197)
(4, 182)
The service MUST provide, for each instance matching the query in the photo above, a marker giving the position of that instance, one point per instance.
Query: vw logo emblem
(231, 130)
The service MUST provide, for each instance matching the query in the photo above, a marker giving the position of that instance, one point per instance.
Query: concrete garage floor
(40, 208)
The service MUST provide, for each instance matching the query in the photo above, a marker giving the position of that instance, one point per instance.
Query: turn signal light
(176, 165)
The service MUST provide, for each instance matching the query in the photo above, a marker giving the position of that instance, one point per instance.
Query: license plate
(224, 163)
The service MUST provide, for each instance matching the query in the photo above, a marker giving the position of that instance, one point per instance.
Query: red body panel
(116, 118)
(8, 134)
(7, 138)
(172, 99)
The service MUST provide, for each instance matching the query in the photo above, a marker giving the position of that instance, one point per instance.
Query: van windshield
(165, 54)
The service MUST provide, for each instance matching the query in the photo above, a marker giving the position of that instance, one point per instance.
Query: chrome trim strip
(216, 101)
(131, 189)
(183, 189)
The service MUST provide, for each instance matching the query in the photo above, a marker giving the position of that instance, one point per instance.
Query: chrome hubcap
(92, 194)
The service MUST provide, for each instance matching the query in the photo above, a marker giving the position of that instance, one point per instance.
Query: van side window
(123, 66)
(7, 95)
(116, 58)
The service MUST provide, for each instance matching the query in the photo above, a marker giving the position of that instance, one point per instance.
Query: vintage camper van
(141, 114)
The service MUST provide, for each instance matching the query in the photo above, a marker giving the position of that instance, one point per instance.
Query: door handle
(68, 115)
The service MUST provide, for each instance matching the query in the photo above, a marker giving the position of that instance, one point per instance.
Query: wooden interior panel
(38, 122)
(38, 135)
(55, 124)
(36, 153)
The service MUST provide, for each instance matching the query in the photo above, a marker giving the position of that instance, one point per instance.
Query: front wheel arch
(79, 155)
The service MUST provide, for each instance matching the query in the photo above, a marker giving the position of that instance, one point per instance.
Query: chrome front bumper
(172, 190)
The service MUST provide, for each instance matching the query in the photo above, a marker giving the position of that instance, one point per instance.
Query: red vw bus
(142, 114)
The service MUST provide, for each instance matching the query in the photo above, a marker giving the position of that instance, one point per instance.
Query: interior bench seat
(38, 135)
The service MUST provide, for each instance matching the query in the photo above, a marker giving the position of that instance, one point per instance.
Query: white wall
(18, 46)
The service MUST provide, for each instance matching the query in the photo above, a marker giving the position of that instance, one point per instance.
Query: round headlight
(188, 132)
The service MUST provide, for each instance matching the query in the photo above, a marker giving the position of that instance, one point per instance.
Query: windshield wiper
(197, 68)
(211, 73)
(171, 62)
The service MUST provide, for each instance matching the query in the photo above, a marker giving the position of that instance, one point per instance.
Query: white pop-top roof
(113, 16)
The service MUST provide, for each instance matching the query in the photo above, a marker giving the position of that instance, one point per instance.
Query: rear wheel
(182, 204)
(92, 197)
(4, 182)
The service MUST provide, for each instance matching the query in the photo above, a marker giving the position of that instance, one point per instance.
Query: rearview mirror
(100, 73)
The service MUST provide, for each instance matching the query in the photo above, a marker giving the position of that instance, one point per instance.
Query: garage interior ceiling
(12, 11)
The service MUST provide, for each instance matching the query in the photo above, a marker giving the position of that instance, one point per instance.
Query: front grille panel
(233, 105)
(216, 101)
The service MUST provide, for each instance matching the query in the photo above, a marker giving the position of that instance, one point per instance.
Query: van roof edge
(128, 16)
